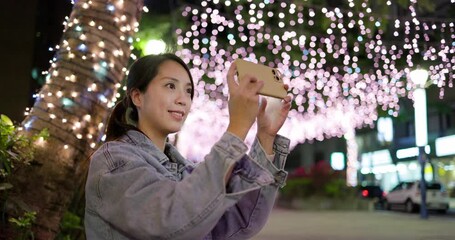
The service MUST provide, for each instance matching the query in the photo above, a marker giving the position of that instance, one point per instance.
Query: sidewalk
(356, 225)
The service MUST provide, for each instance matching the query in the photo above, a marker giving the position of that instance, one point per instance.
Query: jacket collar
(171, 153)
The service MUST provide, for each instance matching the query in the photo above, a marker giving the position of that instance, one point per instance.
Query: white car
(407, 194)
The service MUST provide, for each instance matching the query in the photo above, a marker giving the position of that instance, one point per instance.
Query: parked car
(407, 194)
(371, 192)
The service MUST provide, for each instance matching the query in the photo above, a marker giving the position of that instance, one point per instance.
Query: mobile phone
(273, 82)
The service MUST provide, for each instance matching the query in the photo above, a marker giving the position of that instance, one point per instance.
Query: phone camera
(277, 75)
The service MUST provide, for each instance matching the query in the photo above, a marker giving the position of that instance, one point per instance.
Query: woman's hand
(270, 120)
(243, 102)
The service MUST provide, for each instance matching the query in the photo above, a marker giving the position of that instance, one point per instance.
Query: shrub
(24, 225)
(320, 181)
(15, 148)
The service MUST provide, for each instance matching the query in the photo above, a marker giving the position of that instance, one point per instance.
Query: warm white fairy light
(87, 118)
(40, 142)
(72, 92)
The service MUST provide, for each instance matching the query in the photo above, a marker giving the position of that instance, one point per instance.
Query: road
(357, 225)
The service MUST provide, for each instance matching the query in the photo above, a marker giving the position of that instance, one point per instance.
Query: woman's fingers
(287, 99)
(263, 105)
(231, 77)
(251, 84)
(255, 86)
(286, 104)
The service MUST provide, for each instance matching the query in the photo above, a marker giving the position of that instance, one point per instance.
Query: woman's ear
(136, 97)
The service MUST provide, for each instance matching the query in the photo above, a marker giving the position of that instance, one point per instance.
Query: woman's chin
(174, 130)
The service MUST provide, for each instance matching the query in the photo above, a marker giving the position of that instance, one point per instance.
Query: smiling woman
(163, 106)
(140, 187)
(166, 69)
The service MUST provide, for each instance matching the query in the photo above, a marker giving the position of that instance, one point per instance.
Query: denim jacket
(136, 191)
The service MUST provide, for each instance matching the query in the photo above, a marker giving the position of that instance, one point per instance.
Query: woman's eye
(189, 90)
(170, 85)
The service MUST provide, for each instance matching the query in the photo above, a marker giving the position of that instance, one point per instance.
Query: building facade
(385, 161)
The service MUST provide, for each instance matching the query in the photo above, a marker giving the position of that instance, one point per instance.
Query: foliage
(15, 147)
(16, 150)
(153, 27)
(24, 225)
(320, 181)
(71, 226)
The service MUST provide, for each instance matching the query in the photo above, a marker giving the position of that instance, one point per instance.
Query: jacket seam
(250, 217)
(196, 220)
(112, 164)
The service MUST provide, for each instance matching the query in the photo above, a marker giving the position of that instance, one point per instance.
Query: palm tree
(73, 105)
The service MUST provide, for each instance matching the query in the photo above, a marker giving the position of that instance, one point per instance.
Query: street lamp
(154, 47)
(420, 77)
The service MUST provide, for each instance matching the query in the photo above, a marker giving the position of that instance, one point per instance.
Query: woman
(140, 187)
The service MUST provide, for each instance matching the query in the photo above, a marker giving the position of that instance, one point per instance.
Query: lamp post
(419, 78)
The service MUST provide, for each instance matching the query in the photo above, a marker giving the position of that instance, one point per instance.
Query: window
(434, 186)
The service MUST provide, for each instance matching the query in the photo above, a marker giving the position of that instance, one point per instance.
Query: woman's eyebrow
(177, 80)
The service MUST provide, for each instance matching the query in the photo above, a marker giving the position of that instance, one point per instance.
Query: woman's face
(165, 104)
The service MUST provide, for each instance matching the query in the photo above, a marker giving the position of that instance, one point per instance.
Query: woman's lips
(177, 115)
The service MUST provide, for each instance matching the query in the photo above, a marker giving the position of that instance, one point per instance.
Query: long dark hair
(141, 73)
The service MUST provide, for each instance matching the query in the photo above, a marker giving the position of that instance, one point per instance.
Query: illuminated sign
(411, 152)
(385, 129)
(337, 161)
(445, 146)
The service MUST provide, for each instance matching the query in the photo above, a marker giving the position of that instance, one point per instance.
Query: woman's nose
(182, 99)
(181, 102)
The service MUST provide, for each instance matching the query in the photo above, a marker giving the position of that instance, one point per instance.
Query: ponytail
(119, 122)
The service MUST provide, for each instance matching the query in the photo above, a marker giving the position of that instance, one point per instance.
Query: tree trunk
(74, 105)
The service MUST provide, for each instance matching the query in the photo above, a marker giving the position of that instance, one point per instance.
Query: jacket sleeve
(249, 215)
(142, 203)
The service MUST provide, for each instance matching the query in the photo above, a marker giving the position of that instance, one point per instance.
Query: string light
(83, 70)
(335, 80)
(328, 78)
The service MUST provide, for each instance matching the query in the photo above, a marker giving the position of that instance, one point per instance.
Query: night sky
(27, 29)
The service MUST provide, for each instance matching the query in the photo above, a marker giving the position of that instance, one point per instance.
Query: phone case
(273, 82)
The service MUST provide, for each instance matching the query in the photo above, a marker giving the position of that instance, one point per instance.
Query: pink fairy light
(329, 80)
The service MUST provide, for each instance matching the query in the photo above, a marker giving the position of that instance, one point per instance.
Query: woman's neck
(158, 139)
(160, 142)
